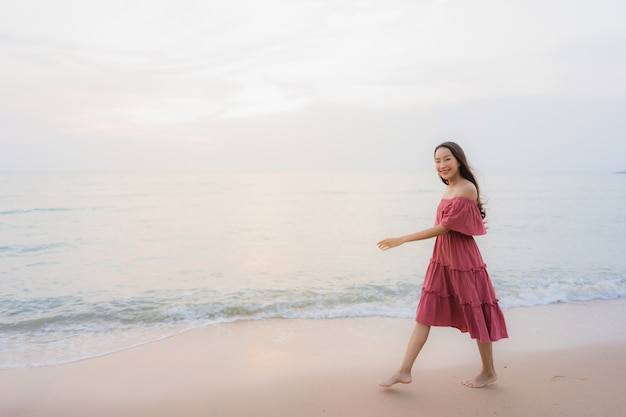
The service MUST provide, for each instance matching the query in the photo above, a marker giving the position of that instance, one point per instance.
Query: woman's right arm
(392, 242)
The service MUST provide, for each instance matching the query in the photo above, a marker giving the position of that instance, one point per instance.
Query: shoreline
(560, 359)
(182, 330)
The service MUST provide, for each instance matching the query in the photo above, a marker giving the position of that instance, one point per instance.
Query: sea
(97, 262)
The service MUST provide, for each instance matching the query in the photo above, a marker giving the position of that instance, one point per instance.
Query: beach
(564, 359)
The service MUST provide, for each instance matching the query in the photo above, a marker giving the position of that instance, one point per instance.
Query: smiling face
(446, 164)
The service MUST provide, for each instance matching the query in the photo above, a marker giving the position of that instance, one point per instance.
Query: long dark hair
(465, 169)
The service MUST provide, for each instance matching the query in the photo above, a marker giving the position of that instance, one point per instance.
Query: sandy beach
(560, 360)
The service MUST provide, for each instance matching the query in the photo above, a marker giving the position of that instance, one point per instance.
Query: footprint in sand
(567, 378)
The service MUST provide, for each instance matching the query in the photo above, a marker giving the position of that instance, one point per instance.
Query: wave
(35, 210)
(203, 306)
(49, 210)
(551, 285)
(16, 250)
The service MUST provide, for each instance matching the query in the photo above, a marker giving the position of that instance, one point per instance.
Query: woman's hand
(389, 243)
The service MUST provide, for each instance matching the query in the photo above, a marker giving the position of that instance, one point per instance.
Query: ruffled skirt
(461, 296)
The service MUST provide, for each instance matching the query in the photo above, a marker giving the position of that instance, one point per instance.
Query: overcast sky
(524, 86)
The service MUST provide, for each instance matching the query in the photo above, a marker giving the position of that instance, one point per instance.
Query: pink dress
(457, 290)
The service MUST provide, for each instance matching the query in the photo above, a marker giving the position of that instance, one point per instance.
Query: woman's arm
(392, 242)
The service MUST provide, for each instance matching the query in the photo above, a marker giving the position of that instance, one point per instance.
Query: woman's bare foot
(400, 378)
(480, 380)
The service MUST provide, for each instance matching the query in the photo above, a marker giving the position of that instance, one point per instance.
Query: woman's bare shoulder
(466, 190)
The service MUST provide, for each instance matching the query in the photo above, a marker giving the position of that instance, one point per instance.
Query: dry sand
(560, 360)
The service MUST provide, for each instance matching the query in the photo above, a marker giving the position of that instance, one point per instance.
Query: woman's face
(446, 164)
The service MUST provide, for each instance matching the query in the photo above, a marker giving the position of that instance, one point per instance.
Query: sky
(313, 85)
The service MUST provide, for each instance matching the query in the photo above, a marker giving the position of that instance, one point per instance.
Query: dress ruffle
(461, 215)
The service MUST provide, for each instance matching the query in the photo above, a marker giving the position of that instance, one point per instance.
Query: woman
(457, 290)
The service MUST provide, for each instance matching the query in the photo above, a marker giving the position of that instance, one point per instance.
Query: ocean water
(93, 263)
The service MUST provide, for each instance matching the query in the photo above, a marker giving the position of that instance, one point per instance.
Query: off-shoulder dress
(457, 290)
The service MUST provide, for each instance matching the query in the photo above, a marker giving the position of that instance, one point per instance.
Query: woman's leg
(488, 373)
(416, 342)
